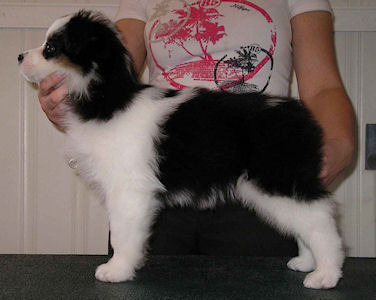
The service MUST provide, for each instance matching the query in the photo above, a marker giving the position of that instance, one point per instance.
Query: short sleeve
(131, 9)
(297, 7)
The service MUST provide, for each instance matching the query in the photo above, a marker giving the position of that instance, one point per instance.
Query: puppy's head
(75, 46)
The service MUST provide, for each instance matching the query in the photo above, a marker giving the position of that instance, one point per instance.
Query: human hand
(52, 93)
(337, 155)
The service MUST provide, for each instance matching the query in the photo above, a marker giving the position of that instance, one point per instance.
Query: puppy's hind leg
(311, 222)
(322, 238)
(305, 261)
(131, 214)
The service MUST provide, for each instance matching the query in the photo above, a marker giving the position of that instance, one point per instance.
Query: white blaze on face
(59, 23)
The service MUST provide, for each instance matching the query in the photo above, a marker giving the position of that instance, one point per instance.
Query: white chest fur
(121, 150)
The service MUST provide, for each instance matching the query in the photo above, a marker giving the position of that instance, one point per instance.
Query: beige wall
(45, 209)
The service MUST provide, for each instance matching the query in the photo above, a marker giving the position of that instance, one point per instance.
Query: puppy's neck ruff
(109, 90)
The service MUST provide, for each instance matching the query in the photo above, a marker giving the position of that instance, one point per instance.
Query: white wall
(45, 209)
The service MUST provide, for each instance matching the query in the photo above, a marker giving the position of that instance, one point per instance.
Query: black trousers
(227, 230)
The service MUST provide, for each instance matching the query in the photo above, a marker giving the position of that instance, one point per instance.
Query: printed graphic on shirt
(241, 68)
(198, 33)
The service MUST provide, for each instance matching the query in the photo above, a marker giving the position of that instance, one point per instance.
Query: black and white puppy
(143, 147)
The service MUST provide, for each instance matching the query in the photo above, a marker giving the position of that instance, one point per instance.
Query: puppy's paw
(114, 271)
(301, 264)
(322, 279)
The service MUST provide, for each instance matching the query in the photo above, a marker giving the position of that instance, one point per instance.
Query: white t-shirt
(236, 45)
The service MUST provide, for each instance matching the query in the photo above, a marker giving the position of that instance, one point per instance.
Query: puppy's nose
(20, 57)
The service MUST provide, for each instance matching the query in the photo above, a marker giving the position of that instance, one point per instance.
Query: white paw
(301, 264)
(322, 279)
(114, 271)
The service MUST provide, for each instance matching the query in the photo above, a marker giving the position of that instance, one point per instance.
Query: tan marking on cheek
(65, 63)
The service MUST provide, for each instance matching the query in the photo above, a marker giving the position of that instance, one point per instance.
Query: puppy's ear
(79, 33)
(88, 35)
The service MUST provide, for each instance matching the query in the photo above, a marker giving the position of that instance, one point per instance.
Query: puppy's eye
(49, 50)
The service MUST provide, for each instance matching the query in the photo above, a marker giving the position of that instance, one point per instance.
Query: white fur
(305, 262)
(215, 197)
(186, 198)
(312, 224)
(273, 102)
(57, 25)
(182, 198)
(35, 68)
(117, 157)
(78, 83)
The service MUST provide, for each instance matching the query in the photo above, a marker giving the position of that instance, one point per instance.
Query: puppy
(143, 147)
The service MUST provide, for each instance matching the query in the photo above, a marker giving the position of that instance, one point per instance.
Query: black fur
(212, 139)
(89, 41)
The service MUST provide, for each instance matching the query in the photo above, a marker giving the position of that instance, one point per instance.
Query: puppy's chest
(101, 153)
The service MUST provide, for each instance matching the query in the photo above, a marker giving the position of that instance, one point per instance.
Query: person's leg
(235, 230)
(175, 232)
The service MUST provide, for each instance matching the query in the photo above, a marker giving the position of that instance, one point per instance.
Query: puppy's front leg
(131, 214)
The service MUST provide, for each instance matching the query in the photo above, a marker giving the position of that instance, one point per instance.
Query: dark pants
(228, 230)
